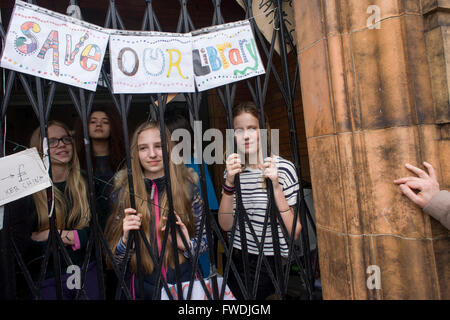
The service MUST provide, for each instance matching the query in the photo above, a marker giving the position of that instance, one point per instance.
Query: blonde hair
(79, 215)
(180, 178)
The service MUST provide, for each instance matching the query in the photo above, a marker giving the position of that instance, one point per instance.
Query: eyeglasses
(54, 142)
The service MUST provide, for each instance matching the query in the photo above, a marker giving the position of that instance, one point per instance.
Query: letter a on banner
(53, 46)
(229, 54)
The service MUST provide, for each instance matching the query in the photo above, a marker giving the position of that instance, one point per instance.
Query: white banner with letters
(53, 46)
(57, 47)
(151, 62)
(225, 54)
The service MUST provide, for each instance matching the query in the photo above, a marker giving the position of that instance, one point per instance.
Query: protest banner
(53, 46)
(57, 47)
(22, 174)
(225, 54)
(151, 62)
(198, 292)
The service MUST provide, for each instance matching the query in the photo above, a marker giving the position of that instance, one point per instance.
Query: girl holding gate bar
(255, 199)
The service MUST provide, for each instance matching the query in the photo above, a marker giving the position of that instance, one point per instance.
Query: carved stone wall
(374, 99)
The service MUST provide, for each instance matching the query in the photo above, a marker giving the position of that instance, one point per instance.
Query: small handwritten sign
(53, 46)
(22, 174)
(198, 293)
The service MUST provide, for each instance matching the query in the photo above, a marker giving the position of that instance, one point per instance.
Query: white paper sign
(225, 54)
(151, 62)
(22, 174)
(198, 293)
(53, 46)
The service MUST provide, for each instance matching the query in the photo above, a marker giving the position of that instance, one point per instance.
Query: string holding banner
(53, 46)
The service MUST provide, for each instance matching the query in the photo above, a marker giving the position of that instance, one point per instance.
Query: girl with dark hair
(253, 170)
(107, 153)
(151, 211)
(107, 146)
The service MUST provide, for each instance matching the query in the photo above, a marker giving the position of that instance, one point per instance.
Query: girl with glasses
(71, 209)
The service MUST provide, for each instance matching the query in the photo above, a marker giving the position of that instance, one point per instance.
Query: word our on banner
(198, 293)
(151, 62)
(22, 174)
(53, 46)
(225, 54)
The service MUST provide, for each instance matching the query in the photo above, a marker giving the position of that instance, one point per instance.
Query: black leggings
(265, 284)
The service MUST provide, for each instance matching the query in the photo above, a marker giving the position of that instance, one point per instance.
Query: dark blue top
(212, 199)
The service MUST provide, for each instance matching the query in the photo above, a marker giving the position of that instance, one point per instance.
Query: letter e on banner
(86, 55)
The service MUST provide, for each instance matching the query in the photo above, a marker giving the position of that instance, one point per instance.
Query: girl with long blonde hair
(149, 183)
(70, 207)
(253, 169)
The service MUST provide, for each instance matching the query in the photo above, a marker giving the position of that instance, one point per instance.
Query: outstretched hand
(426, 183)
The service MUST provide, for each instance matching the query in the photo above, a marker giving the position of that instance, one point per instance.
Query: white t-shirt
(255, 200)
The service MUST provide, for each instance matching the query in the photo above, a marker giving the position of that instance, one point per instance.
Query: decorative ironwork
(41, 104)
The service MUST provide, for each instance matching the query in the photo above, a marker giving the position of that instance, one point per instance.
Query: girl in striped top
(253, 173)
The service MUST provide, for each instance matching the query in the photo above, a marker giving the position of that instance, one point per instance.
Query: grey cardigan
(439, 207)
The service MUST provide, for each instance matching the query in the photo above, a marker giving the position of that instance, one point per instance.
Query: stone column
(374, 99)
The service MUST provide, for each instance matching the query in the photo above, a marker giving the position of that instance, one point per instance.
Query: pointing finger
(431, 171)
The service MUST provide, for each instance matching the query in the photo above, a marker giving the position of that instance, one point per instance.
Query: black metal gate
(40, 94)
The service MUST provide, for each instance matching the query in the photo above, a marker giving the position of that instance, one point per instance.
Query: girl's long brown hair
(180, 178)
(78, 216)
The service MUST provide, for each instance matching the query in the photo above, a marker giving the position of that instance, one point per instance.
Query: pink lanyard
(156, 201)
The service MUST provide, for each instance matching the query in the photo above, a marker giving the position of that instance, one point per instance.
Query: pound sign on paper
(22, 173)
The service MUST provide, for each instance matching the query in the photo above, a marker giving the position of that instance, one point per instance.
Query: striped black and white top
(255, 200)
